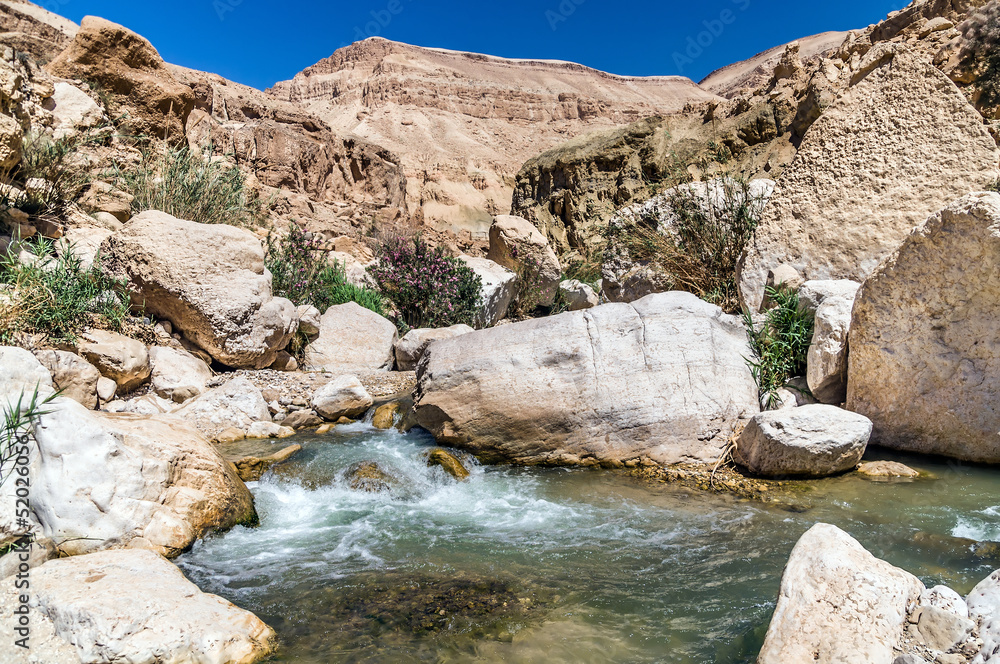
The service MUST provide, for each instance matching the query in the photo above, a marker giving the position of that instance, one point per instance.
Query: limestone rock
(899, 144)
(302, 419)
(924, 364)
(811, 441)
(662, 380)
(838, 603)
(83, 243)
(310, 320)
(252, 468)
(578, 295)
(385, 415)
(886, 469)
(11, 135)
(826, 361)
(109, 481)
(208, 280)
(343, 396)
(237, 404)
(946, 599)
(812, 294)
(449, 462)
(73, 110)
(106, 389)
(74, 376)
(411, 347)
(499, 288)
(120, 358)
(984, 605)
(284, 361)
(103, 197)
(518, 246)
(133, 606)
(352, 338)
(132, 72)
(940, 629)
(176, 374)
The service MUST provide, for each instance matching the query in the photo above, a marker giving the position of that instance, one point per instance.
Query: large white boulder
(499, 285)
(812, 441)
(661, 380)
(924, 364)
(208, 280)
(235, 405)
(826, 361)
(411, 347)
(838, 604)
(108, 481)
(352, 339)
(984, 605)
(129, 606)
(73, 110)
(517, 245)
(177, 374)
(901, 142)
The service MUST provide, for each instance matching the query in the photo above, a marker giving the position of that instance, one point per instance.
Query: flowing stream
(555, 565)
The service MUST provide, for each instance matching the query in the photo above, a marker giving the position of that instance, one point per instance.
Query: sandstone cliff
(33, 29)
(464, 123)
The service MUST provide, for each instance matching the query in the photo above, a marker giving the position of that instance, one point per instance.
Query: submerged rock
(252, 468)
(838, 603)
(370, 477)
(449, 462)
(385, 415)
(886, 469)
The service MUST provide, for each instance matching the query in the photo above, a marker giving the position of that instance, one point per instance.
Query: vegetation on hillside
(47, 179)
(982, 50)
(190, 185)
(55, 296)
(427, 287)
(780, 345)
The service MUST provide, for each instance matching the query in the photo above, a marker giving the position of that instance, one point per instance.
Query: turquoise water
(594, 566)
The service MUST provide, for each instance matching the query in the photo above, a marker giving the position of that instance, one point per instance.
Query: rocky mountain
(739, 77)
(33, 29)
(463, 123)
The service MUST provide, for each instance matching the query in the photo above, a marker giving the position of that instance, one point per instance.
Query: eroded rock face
(109, 481)
(838, 603)
(133, 606)
(411, 347)
(352, 339)
(812, 441)
(518, 246)
(208, 280)
(130, 69)
(662, 379)
(924, 363)
(899, 144)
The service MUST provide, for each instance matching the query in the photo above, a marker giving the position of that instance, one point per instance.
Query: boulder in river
(344, 396)
(925, 361)
(809, 441)
(660, 380)
(838, 603)
(449, 462)
(129, 606)
(368, 476)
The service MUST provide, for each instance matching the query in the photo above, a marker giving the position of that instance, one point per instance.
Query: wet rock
(449, 462)
(811, 441)
(370, 477)
(252, 468)
(385, 415)
(886, 469)
(838, 603)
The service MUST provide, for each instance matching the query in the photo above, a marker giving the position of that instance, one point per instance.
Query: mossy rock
(449, 462)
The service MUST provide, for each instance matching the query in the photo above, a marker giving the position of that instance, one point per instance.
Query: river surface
(555, 565)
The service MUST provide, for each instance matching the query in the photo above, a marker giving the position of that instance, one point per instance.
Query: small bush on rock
(982, 50)
(189, 185)
(302, 274)
(56, 296)
(779, 346)
(46, 180)
(427, 287)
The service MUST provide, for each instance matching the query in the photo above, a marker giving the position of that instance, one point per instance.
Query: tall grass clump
(189, 185)
(56, 296)
(427, 287)
(302, 274)
(780, 346)
(981, 32)
(47, 166)
(700, 249)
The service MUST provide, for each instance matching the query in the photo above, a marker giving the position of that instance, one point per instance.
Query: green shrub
(700, 252)
(56, 296)
(302, 274)
(427, 287)
(995, 187)
(780, 346)
(188, 185)
(17, 419)
(981, 32)
(48, 162)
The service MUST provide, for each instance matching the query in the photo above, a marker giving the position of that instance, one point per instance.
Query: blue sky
(258, 42)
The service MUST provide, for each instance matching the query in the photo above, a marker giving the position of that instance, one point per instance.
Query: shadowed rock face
(464, 123)
(34, 30)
